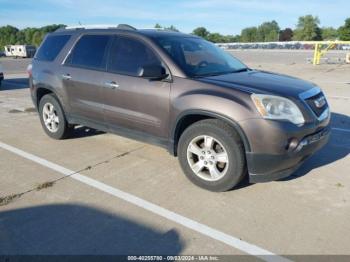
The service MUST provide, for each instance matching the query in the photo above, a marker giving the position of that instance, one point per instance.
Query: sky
(222, 16)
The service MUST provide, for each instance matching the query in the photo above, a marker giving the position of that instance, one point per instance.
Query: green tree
(329, 33)
(249, 34)
(51, 28)
(28, 35)
(344, 31)
(233, 38)
(216, 38)
(268, 32)
(158, 26)
(171, 28)
(201, 31)
(37, 38)
(20, 38)
(308, 29)
(8, 35)
(286, 35)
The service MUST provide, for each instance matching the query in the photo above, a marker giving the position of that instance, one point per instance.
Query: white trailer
(20, 50)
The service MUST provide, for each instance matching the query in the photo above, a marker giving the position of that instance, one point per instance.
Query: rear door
(133, 102)
(82, 75)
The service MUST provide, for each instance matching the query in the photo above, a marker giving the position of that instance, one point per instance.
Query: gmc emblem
(320, 102)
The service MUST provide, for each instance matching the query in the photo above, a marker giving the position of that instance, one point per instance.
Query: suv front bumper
(269, 167)
(278, 148)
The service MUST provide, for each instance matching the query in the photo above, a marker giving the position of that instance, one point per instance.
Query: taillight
(29, 70)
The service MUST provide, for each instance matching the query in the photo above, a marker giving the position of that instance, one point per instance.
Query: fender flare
(234, 124)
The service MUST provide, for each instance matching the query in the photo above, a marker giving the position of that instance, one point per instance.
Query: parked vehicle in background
(183, 93)
(2, 53)
(304, 45)
(1, 74)
(24, 51)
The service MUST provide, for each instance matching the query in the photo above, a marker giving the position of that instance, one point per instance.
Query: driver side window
(128, 55)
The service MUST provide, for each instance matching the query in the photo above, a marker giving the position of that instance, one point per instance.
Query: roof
(122, 27)
(161, 32)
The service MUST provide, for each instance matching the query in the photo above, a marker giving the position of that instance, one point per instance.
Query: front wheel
(211, 155)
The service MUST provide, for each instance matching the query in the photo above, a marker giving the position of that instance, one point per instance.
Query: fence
(320, 47)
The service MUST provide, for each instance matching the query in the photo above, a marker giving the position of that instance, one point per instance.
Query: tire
(60, 128)
(226, 145)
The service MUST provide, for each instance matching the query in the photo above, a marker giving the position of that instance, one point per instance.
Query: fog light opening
(292, 144)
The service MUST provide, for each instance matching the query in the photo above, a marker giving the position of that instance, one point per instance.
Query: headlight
(276, 107)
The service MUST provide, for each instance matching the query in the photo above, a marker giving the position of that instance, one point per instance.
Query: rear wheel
(52, 117)
(211, 155)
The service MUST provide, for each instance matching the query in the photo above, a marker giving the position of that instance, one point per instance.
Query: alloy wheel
(207, 158)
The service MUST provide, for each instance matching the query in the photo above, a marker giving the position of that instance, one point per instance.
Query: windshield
(198, 57)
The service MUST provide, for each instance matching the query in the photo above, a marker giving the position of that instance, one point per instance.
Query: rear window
(51, 47)
(90, 52)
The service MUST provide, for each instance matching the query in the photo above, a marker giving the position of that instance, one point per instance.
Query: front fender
(199, 112)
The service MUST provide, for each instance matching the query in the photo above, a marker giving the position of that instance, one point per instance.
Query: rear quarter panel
(47, 74)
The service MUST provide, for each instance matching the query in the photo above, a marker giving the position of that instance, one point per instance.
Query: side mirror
(152, 72)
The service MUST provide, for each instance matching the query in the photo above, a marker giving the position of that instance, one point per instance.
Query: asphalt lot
(111, 195)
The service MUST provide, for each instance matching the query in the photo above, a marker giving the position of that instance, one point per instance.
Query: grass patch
(44, 185)
(339, 185)
(15, 111)
(8, 199)
(30, 110)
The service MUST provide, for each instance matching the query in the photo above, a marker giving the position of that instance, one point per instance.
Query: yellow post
(316, 55)
(321, 48)
(347, 59)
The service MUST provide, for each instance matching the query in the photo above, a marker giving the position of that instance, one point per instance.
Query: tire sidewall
(236, 167)
(62, 126)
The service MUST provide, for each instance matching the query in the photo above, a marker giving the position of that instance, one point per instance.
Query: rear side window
(51, 47)
(90, 52)
(128, 55)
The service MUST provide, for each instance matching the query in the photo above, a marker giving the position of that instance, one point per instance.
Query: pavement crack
(107, 160)
(15, 111)
(8, 199)
(12, 197)
(45, 185)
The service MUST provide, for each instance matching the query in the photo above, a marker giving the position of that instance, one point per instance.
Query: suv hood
(255, 81)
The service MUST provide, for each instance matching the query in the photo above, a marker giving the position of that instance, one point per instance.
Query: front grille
(311, 102)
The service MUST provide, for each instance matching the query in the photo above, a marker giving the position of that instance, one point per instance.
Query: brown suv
(222, 119)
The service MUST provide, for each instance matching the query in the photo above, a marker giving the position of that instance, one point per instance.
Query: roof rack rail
(157, 29)
(120, 26)
(126, 27)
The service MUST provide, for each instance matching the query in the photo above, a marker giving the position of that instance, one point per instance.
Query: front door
(132, 102)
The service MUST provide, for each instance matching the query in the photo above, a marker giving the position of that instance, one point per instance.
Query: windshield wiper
(215, 74)
(241, 70)
(223, 73)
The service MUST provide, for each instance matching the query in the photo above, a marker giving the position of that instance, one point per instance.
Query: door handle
(66, 76)
(112, 85)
